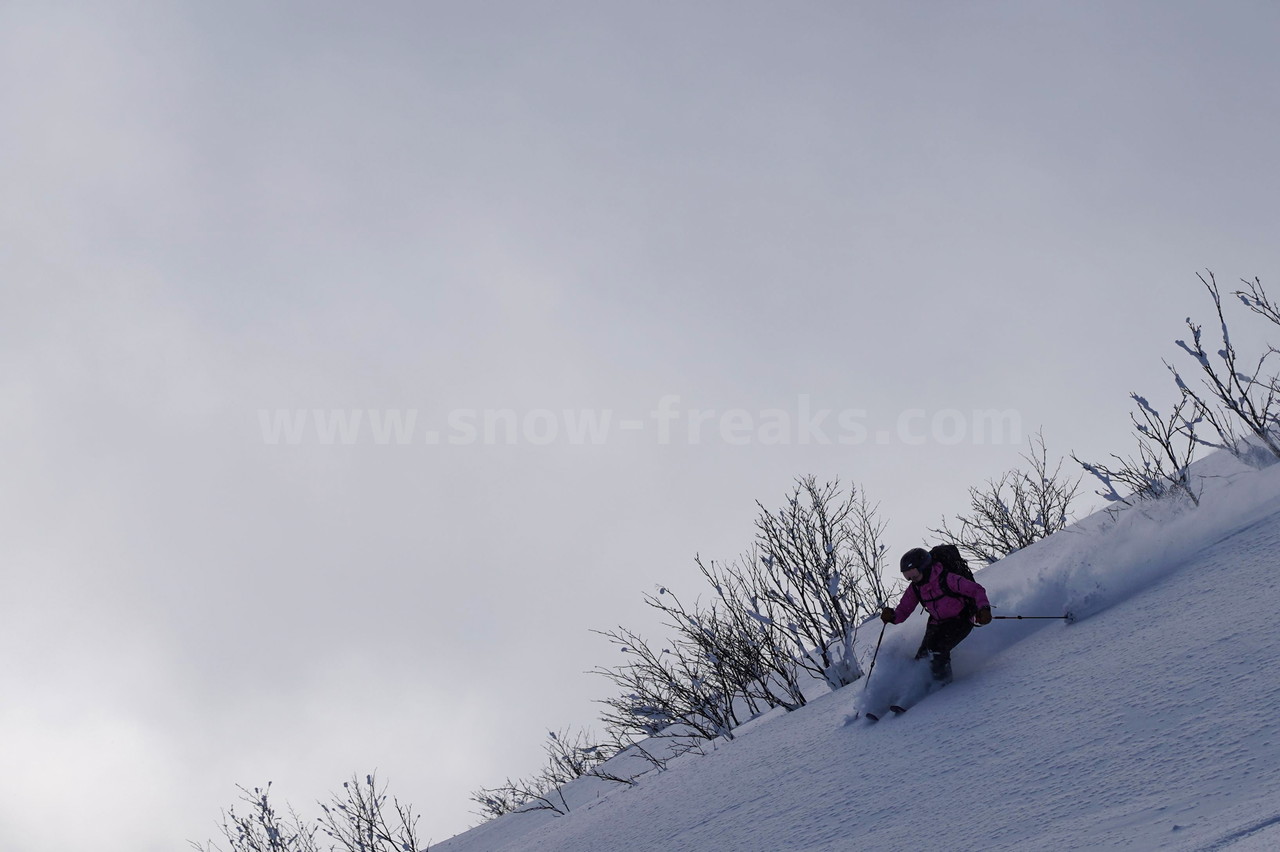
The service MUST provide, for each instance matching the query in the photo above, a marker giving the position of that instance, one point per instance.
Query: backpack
(948, 556)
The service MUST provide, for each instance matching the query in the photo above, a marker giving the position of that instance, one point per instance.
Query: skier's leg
(930, 632)
(948, 634)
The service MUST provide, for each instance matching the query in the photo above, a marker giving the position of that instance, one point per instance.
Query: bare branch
(1166, 446)
(1253, 396)
(1015, 510)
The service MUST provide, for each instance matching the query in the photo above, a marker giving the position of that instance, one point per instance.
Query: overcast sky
(699, 225)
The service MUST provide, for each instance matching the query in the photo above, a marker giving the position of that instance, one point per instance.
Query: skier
(954, 603)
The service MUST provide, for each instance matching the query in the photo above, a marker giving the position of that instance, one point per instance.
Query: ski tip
(898, 710)
(871, 717)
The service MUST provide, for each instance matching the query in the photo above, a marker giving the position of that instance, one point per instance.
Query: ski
(893, 708)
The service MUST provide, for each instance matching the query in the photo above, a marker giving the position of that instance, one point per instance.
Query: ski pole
(1024, 617)
(867, 683)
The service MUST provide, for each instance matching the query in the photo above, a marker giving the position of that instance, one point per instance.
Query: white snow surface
(1151, 722)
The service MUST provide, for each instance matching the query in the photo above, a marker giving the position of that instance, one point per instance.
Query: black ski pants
(940, 637)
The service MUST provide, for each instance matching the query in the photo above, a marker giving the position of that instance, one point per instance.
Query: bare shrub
(1234, 395)
(792, 605)
(569, 756)
(1015, 510)
(261, 828)
(818, 573)
(670, 690)
(1166, 447)
(358, 820)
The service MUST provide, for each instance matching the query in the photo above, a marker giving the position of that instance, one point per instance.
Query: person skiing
(954, 603)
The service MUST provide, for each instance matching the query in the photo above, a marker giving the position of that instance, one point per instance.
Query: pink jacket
(940, 603)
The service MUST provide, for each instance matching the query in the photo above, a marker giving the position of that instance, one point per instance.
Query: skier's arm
(910, 600)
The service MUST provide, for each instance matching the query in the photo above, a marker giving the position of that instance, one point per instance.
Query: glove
(886, 615)
(983, 616)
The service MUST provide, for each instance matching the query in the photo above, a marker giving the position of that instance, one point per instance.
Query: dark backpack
(948, 555)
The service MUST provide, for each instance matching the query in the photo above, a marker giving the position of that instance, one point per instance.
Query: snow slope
(1153, 722)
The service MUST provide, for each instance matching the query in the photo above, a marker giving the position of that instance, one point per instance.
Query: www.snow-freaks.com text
(668, 423)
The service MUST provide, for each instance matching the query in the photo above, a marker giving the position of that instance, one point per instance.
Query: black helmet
(916, 558)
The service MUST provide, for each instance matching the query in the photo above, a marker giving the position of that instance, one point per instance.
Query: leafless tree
(866, 542)
(522, 796)
(569, 756)
(1015, 510)
(758, 651)
(573, 754)
(707, 634)
(818, 574)
(1166, 446)
(262, 829)
(498, 801)
(357, 820)
(654, 752)
(790, 606)
(1234, 399)
(1233, 393)
(670, 691)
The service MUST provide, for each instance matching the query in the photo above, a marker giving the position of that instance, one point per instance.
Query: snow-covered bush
(569, 756)
(357, 820)
(1166, 447)
(360, 821)
(673, 690)
(754, 658)
(791, 606)
(1233, 396)
(817, 573)
(1240, 404)
(261, 828)
(1015, 510)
